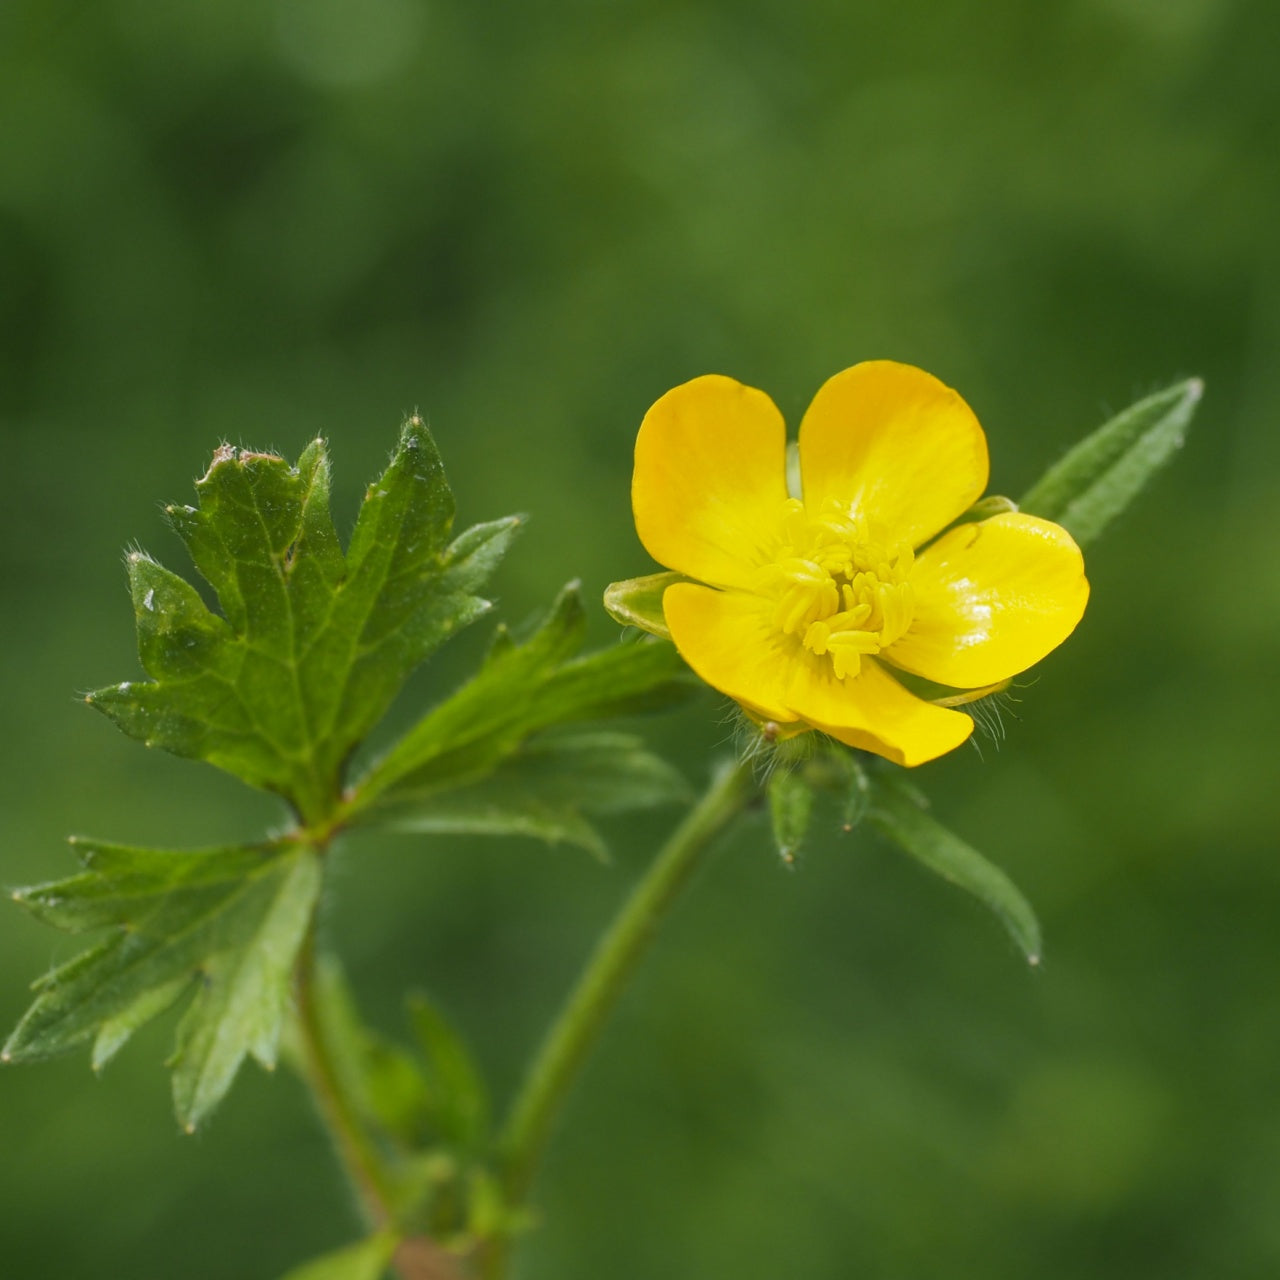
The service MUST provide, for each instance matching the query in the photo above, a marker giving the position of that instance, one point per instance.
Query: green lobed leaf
(311, 645)
(1102, 474)
(114, 1033)
(896, 810)
(365, 1260)
(241, 998)
(521, 691)
(227, 921)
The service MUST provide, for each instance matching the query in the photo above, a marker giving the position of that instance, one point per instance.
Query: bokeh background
(262, 219)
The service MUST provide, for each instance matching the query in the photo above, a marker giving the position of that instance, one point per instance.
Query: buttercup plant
(849, 607)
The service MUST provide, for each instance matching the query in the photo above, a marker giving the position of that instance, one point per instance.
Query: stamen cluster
(839, 589)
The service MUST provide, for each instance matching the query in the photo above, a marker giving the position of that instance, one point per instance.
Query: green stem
(602, 982)
(359, 1155)
(416, 1257)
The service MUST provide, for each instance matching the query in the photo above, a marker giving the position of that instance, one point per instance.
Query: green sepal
(993, 504)
(1102, 474)
(944, 695)
(790, 810)
(227, 922)
(477, 763)
(637, 602)
(365, 1260)
(311, 645)
(896, 809)
(854, 791)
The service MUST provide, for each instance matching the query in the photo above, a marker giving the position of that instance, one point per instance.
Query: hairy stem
(619, 950)
(355, 1148)
(372, 1181)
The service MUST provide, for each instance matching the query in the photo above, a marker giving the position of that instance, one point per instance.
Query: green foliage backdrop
(260, 222)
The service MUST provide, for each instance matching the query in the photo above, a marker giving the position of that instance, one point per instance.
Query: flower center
(839, 589)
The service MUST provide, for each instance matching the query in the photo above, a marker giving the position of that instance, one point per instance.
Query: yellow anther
(847, 649)
(854, 641)
(850, 619)
(839, 589)
(846, 663)
(816, 637)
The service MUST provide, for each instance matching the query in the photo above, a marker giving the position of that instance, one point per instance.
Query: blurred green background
(257, 221)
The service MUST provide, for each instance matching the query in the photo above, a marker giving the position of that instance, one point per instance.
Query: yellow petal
(710, 481)
(992, 599)
(873, 712)
(900, 447)
(730, 639)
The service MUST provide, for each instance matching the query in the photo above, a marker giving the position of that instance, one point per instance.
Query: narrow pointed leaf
(545, 789)
(114, 1033)
(897, 812)
(461, 1111)
(366, 1260)
(458, 814)
(521, 690)
(310, 646)
(121, 884)
(1102, 474)
(385, 1082)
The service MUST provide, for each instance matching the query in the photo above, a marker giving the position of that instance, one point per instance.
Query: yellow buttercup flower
(810, 609)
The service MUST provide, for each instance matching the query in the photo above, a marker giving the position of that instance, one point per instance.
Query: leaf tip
(414, 432)
(1033, 959)
(223, 453)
